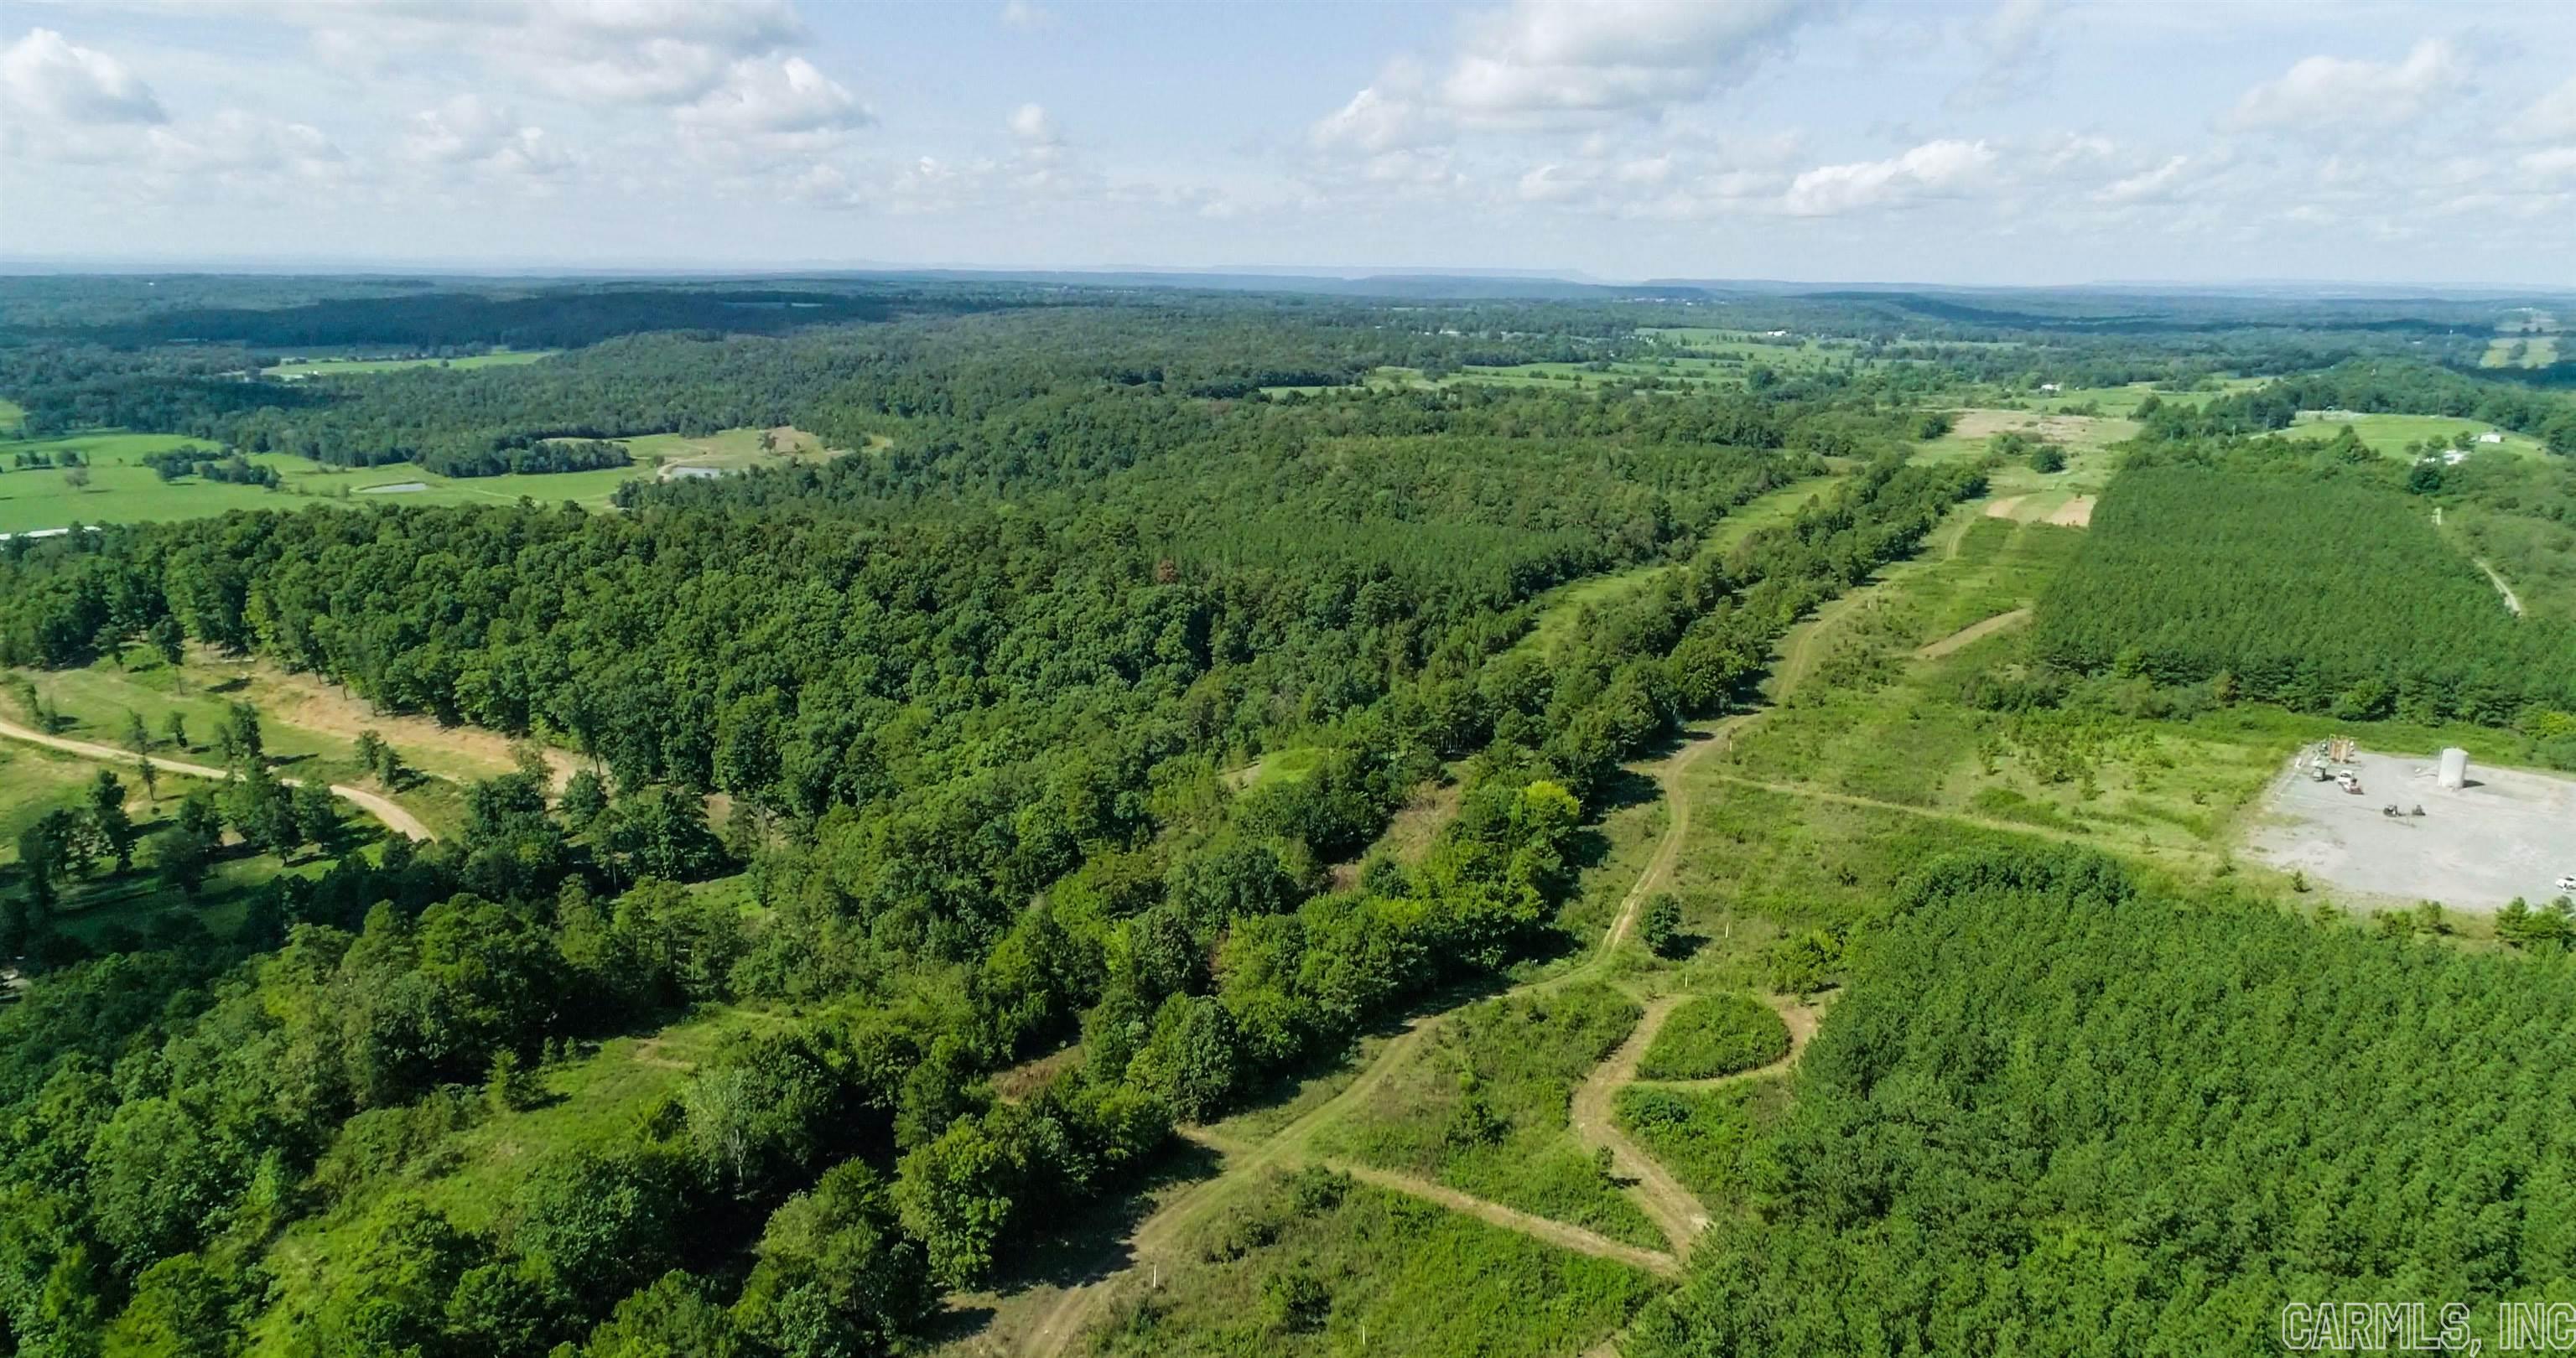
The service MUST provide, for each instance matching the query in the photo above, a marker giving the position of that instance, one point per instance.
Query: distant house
(2050, 387)
(2491, 436)
(2454, 458)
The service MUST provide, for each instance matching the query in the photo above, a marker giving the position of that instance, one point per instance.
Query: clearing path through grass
(1150, 1245)
(1679, 1214)
(2511, 604)
(382, 808)
(1972, 634)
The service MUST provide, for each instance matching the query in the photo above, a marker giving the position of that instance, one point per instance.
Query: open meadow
(114, 486)
(300, 366)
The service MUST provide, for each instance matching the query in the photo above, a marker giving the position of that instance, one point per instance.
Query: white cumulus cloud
(2336, 92)
(45, 77)
(789, 97)
(1548, 62)
(467, 130)
(2552, 117)
(1935, 168)
(1030, 123)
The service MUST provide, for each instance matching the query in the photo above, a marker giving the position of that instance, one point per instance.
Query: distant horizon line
(277, 266)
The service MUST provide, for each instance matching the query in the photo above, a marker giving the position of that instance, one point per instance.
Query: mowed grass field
(2389, 434)
(309, 728)
(337, 366)
(2520, 351)
(116, 487)
(35, 781)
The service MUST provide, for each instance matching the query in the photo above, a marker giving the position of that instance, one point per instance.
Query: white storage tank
(2455, 768)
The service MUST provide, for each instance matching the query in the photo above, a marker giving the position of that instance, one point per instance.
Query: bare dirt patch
(319, 705)
(2075, 513)
(2003, 508)
(2510, 833)
(1973, 633)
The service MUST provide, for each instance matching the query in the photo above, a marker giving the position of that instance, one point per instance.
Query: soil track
(1973, 633)
(1675, 1210)
(383, 809)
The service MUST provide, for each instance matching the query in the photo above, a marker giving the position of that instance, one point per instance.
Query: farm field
(117, 488)
(2389, 434)
(310, 728)
(2122, 402)
(326, 366)
(2520, 351)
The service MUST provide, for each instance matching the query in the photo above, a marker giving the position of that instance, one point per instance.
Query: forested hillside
(2324, 595)
(970, 705)
(2062, 1111)
(1125, 706)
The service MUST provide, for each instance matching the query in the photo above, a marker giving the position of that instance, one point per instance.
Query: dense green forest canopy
(984, 695)
(970, 700)
(2184, 580)
(2060, 1111)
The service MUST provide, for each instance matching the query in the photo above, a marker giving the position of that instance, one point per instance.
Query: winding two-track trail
(1073, 1312)
(382, 808)
(1674, 1209)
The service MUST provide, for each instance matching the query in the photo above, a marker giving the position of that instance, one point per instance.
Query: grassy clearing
(2389, 434)
(117, 488)
(1715, 1035)
(338, 367)
(1565, 611)
(1292, 765)
(1313, 1265)
(308, 728)
(473, 1174)
(103, 903)
(729, 449)
(1702, 1135)
(1482, 1107)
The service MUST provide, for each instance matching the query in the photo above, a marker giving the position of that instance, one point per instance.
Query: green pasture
(116, 487)
(338, 366)
(2389, 434)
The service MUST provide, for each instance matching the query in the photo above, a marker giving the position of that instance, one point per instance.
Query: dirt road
(1675, 1210)
(1973, 633)
(1802, 1021)
(1672, 1207)
(382, 808)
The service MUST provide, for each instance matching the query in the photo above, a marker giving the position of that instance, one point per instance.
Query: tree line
(2060, 1109)
(979, 883)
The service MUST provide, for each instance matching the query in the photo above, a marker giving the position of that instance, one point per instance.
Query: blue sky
(1988, 141)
